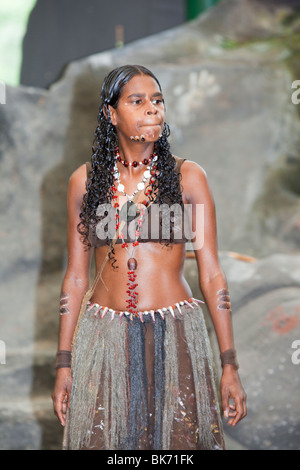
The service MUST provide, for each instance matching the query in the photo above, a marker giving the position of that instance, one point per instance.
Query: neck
(135, 151)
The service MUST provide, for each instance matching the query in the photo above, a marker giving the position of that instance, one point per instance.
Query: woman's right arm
(74, 286)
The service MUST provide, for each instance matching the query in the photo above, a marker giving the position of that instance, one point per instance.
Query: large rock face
(227, 79)
(266, 318)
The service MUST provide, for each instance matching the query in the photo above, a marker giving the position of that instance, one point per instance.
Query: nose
(151, 109)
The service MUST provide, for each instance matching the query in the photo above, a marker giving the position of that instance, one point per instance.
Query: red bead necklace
(132, 283)
(146, 161)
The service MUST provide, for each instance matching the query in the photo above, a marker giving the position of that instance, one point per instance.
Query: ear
(109, 113)
(112, 114)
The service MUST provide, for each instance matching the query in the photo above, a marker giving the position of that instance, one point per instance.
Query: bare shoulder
(78, 178)
(190, 169)
(79, 175)
(194, 181)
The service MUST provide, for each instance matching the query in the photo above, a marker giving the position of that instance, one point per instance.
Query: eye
(158, 101)
(137, 101)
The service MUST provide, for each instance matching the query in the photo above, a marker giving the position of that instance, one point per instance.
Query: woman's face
(140, 111)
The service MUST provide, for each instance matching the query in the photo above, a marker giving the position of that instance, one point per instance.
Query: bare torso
(159, 276)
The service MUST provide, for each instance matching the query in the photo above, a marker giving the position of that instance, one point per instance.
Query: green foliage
(14, 16)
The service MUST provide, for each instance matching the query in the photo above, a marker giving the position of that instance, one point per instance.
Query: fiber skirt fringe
(143, 386)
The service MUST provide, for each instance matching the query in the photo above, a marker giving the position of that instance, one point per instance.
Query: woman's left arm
(213, 285)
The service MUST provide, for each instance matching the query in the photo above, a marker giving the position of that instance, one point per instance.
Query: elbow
(75, 280)
(212, 278)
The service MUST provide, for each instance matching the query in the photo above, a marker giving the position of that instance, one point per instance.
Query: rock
(27, 421)
(244, 20)
(266, 319)
(266, 324)
(30, 425)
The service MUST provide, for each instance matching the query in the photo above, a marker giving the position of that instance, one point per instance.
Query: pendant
(132, 264)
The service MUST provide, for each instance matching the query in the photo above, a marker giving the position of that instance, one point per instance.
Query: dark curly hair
(99, 184)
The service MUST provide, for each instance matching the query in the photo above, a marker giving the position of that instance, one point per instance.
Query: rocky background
(227, 79)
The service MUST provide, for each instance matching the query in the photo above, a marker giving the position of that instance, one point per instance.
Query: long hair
(167, 181)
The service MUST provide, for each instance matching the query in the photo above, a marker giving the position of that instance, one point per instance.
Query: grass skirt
(142, 385)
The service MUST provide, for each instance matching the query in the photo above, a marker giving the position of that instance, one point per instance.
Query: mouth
(151, 125)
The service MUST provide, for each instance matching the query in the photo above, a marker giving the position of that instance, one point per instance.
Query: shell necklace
(140, 186)
(132, 284)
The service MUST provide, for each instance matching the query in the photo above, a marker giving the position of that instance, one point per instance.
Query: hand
(231, 388)
(62, 393)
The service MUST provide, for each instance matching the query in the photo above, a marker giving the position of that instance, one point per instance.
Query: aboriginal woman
(134, 367)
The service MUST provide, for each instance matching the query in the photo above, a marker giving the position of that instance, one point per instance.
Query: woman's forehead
(140, 84)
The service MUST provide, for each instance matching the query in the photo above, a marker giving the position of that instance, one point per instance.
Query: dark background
(60, 31)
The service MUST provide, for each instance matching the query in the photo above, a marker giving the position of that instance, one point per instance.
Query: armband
(229, 357)
(63, 359)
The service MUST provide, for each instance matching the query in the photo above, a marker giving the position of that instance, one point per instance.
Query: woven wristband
(229, 357)
(63, 359)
